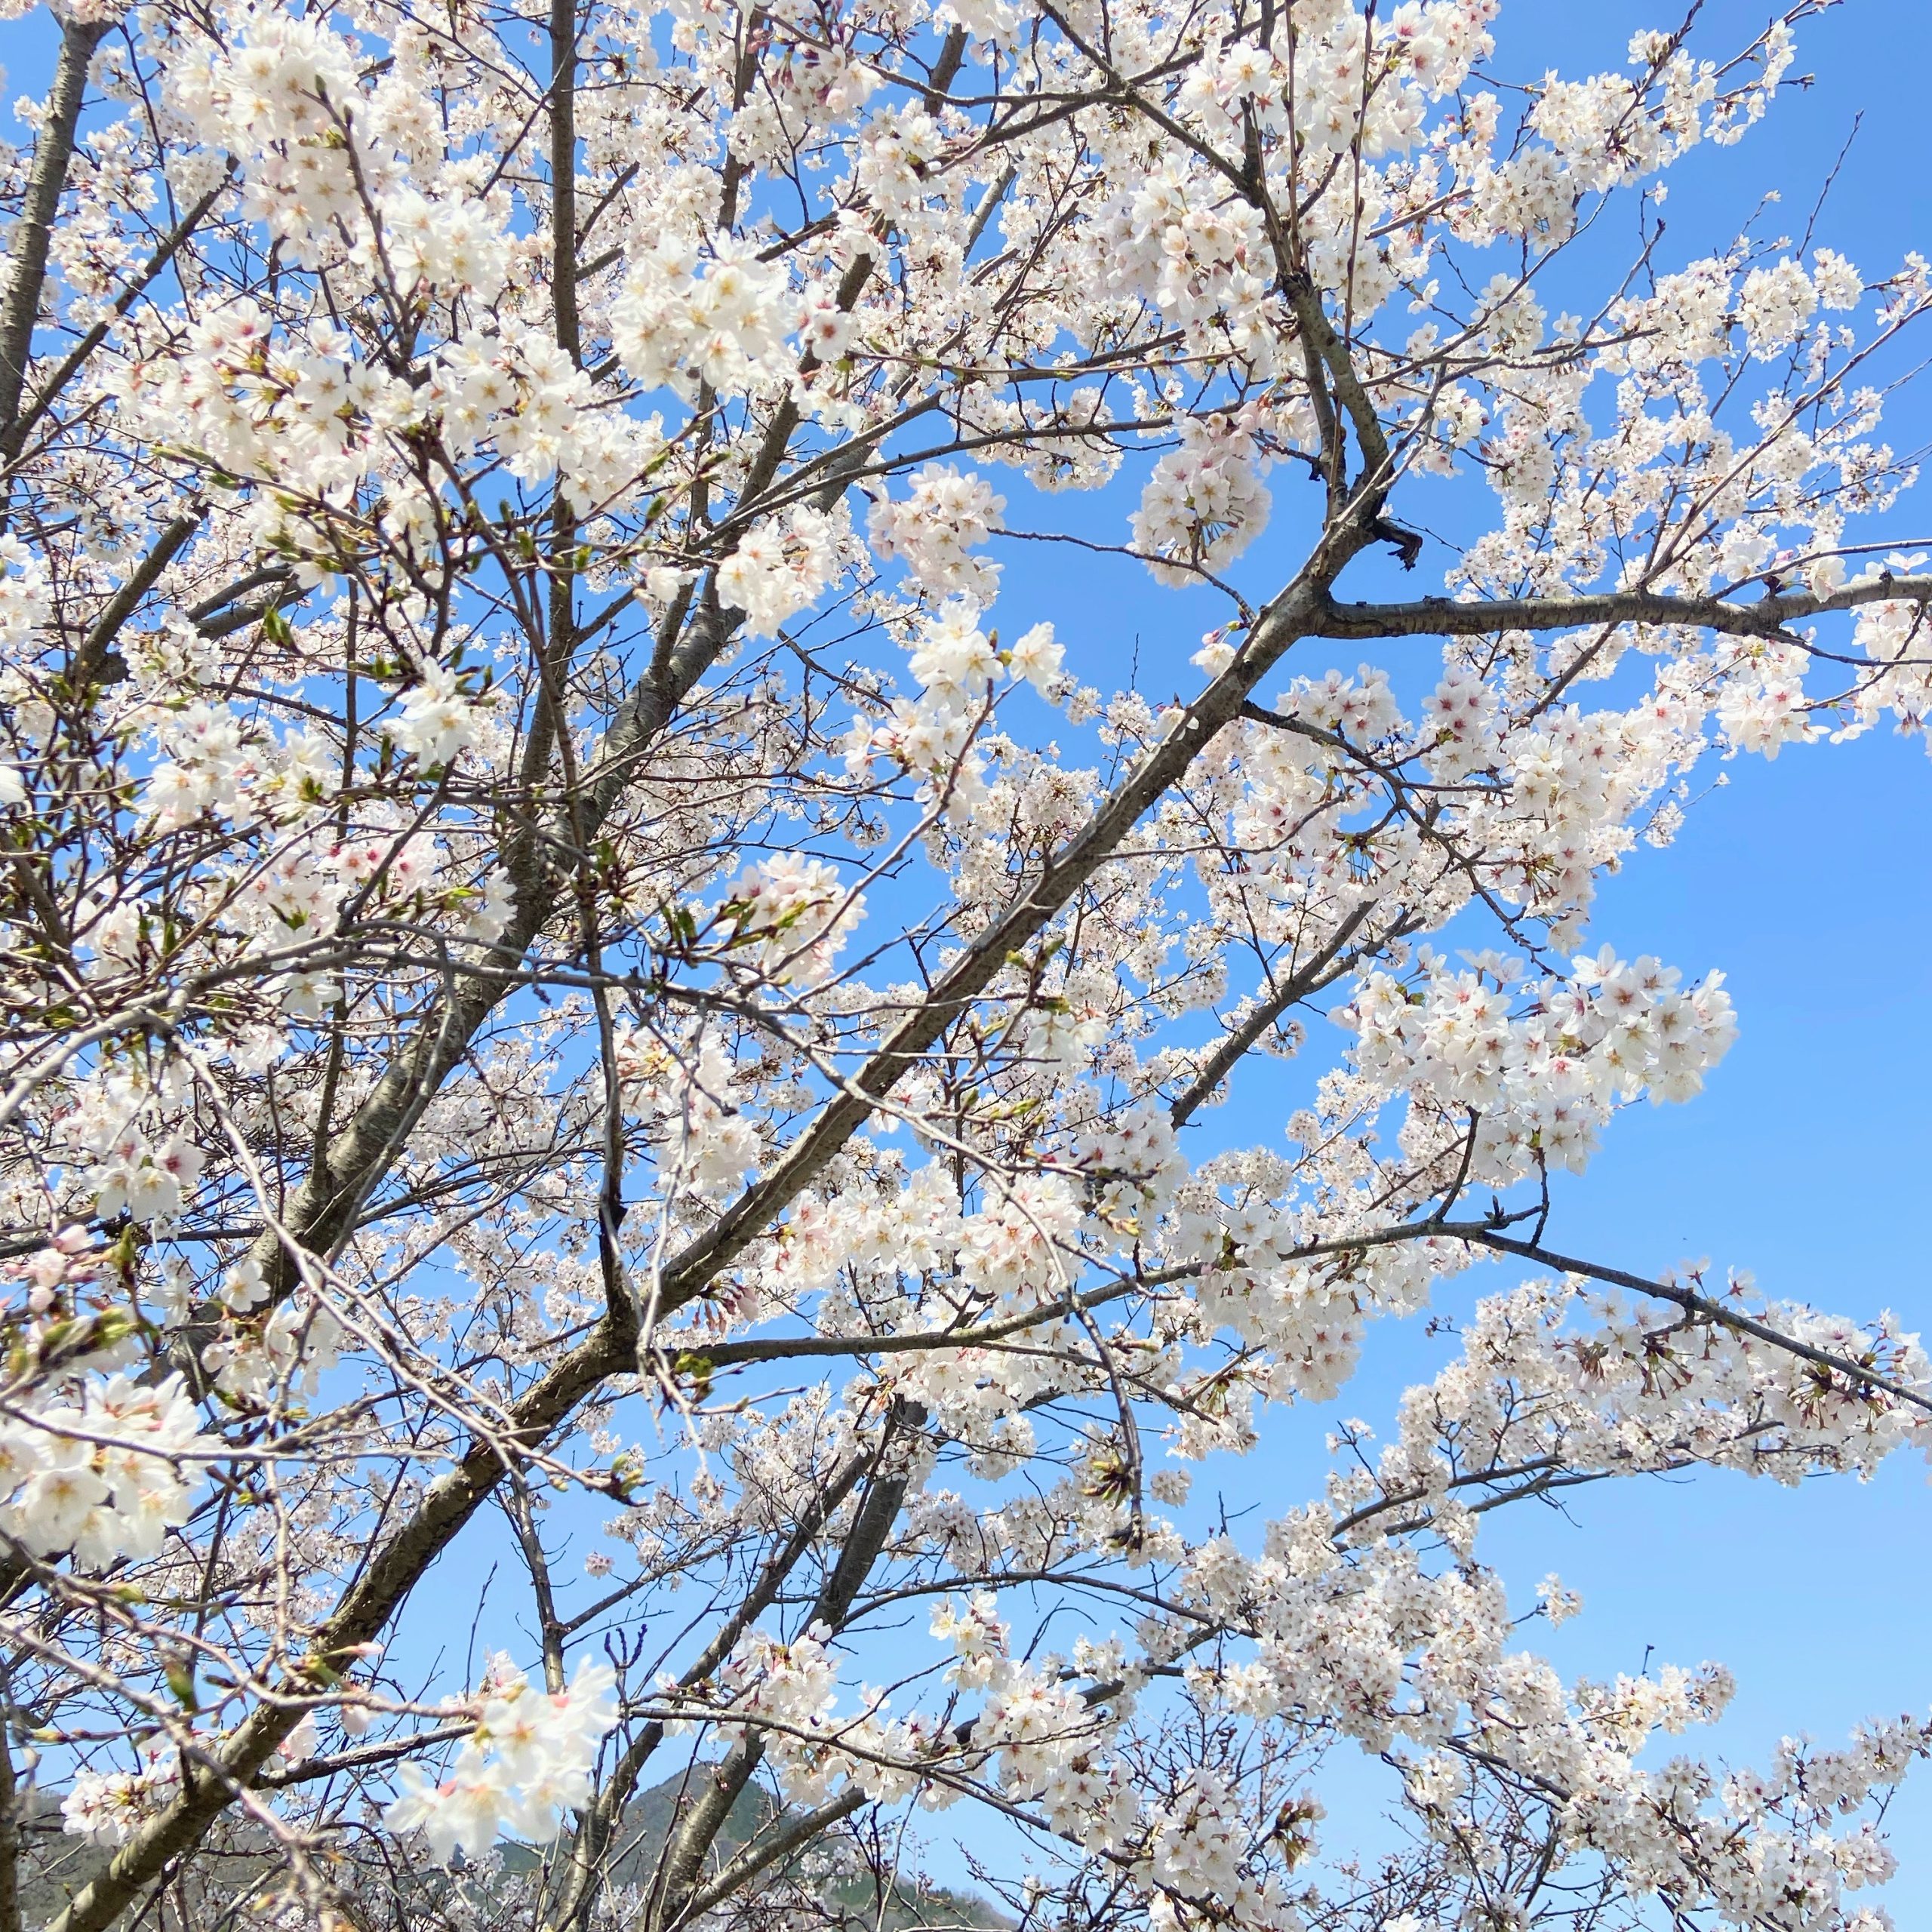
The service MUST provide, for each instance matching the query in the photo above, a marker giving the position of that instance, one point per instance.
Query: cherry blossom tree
(603, 1045)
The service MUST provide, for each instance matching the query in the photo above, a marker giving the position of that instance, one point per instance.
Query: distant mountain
(646, 1826)
(242, 1860)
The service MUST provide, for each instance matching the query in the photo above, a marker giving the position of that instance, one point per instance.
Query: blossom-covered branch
(591, 998)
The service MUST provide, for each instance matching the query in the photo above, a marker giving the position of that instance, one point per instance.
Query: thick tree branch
(1439, 616)
(54, 153)
(769, 1849)
(1026, 916)
(211, 1785)
(90, 662)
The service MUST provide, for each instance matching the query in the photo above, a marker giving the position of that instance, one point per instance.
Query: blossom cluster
(1538, 1082)
(107, 1476)
(529, 1758)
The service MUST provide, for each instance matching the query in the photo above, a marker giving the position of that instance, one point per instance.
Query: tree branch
(1438, 616)
(14, 438)
(54, 153)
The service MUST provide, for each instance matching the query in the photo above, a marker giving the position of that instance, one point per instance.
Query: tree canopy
(604, 1046)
